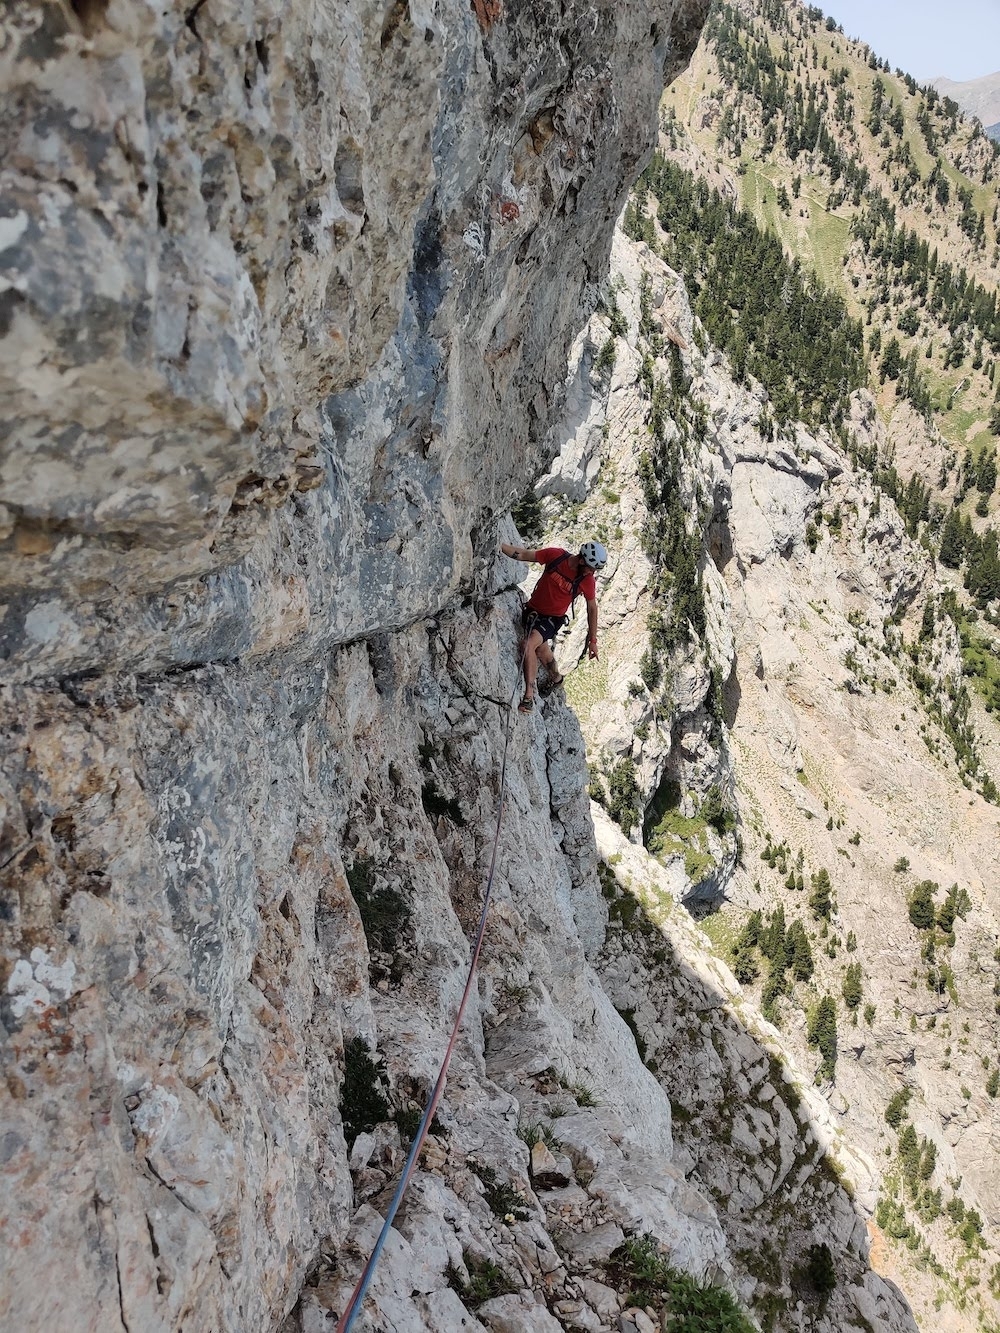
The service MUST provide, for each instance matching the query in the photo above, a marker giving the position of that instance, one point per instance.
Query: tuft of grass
(486, 1280)
(582, 1095)
(538, 1132)
(502, 1197)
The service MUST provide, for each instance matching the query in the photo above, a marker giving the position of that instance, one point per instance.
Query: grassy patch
(586, 686)
(829, 236)
(683, 835)
(667, 833)
(721, 930)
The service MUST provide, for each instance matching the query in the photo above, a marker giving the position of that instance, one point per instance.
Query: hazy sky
(959, 40)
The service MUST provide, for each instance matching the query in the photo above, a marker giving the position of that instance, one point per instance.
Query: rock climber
(564, 576)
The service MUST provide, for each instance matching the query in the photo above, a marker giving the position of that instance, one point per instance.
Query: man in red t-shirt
(565, 575)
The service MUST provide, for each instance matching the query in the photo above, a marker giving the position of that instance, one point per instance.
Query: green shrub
(819, 1269)
(362, 1103)
(623, 795)
(714, 811)
(486, 1280)
(385, 913)
(604, 363)
(645, 1277)
(628, 1018)
(501, 1196)
(436, 804)
(527, 514)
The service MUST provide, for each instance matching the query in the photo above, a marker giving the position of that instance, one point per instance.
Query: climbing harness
(368, 1272)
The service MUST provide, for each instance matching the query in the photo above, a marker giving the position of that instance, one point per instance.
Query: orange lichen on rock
(487, 12)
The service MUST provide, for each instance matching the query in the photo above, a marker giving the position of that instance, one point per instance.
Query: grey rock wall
(286, 294)
(249, 251)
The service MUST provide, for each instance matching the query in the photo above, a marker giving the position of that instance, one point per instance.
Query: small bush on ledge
(645, 1277)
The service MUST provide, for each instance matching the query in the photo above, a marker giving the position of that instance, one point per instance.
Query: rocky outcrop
(287, 296)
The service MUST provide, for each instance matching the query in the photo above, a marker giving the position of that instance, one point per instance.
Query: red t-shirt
(554, 590)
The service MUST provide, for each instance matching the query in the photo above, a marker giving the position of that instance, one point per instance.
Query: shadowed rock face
(286, 297)
(248, 251)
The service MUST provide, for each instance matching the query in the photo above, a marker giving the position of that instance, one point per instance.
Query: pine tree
(986, 472)
(822, 1033)
(801, 961)
(820, 900)
(745, 966)
(852, 986)
(921, 905)
(951, 540)
(772, 940)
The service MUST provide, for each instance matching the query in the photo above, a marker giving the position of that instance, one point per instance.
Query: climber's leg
(530, 648)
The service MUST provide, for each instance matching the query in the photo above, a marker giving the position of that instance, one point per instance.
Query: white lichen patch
(37, 983)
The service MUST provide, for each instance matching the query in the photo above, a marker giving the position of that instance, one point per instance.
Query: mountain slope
(875, 184)
(801, 695)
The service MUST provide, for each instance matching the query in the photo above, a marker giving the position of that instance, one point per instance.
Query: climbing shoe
(551, 684)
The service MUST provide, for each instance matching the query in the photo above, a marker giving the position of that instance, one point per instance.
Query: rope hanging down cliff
(368, 1272)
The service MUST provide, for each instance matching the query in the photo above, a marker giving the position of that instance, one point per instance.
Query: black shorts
(547, 626)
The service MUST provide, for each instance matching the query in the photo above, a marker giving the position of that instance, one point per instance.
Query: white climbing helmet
(593, 555)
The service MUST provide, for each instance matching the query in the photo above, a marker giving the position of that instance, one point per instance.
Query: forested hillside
(838, 226)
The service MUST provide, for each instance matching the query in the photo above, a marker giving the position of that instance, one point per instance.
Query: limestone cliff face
(287, 296)
(249, 252)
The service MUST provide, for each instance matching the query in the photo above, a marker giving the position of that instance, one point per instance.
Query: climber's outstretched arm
(519, 553)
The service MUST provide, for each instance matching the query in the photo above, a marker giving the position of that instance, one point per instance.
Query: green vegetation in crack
(486, 1280)
(386, 913)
